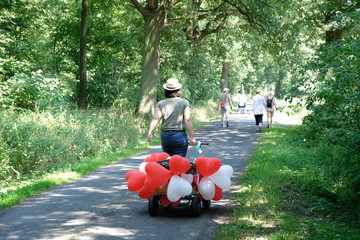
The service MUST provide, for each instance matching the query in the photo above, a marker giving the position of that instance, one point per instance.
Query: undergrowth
(39, 150)
(286, 194)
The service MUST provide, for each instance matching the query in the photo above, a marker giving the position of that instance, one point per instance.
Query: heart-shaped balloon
(222, 177)
(178, 165)
(164, 200)
(142, 167)
(206, 188)
(178, 187)
(207, 166)
(157, 175)
(176, 203)
(156, 157)
(135, 180)
(146, 192)
(188, 177)
(218, 193)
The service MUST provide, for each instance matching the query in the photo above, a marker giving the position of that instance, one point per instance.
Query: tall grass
(42, 149)
(286, 194)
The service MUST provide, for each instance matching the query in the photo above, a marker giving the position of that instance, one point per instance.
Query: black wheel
(195, 206)
(206, 203)
(153, 205)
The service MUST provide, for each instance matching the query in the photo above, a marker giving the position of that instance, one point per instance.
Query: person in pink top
(225, 104)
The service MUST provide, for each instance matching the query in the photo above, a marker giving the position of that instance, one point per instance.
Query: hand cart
(193, 200)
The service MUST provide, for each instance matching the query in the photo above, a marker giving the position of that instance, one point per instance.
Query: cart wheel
(195, 206)
(206, 203)
(153, 205)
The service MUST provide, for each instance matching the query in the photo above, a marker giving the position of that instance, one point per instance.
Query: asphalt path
(99, 205)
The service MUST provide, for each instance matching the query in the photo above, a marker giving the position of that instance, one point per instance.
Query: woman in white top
(242, 102)
(258, 107)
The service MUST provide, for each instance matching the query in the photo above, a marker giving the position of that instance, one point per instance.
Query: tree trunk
(154, 15)
(82, 100)
(150, 65)
(225, 75)
(279, 83)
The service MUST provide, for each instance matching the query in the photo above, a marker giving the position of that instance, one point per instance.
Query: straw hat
(172, 84)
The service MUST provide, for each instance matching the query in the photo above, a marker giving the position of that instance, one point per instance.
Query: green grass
(284, 195)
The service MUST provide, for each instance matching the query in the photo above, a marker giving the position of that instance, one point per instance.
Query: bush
(32, 91)
(332, 84)
(32, 143)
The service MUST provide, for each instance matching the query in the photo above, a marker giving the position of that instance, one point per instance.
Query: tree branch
(139, 7)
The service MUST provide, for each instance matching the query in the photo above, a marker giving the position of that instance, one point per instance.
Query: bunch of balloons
(175, 182)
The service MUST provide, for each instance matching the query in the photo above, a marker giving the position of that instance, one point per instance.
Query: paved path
(99, 205)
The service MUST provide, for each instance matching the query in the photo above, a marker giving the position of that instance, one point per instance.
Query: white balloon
(142, 167)
(222, 178)
(206, 188)
(187, 177)
(177, 188)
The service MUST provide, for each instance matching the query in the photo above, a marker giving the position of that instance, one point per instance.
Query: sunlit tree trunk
(82, 100)
(150, 66)
(154, 20)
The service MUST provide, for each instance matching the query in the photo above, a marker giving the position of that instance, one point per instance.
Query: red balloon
(207, 166)
(218, 193)
(135, 180)
(157, 175)
(156, 157)
(179, 165)
(164, 200)
(146, 192)
(176, 203)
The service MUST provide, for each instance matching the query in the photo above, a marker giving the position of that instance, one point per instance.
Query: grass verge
(37, 184)
(283, 195)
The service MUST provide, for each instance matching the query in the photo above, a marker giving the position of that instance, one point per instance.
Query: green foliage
(42, 141)
(30, 92)
(33, 143)
(332, 85)
(286, 194)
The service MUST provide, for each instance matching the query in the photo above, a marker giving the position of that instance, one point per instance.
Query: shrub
(332, 85)
(32, 91)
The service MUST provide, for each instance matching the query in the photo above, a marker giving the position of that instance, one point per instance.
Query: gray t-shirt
(172, 110)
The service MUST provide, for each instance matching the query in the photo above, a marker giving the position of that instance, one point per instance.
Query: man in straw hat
(175, 112)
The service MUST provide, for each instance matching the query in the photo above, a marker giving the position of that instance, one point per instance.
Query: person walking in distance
(175, 113)
(225, 104)
(270, 108)
(242, 102)
(258, 107)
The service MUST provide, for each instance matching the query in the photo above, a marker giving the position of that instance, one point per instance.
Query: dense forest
(63, 61)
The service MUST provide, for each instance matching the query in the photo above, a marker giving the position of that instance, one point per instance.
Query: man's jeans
(174, 143)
